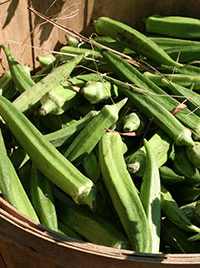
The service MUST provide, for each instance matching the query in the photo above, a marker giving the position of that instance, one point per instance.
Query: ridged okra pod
(129, 74)
(145, 100)
(169, 177)
(11, 186)
(90, 226)
(193, 154)
(134, 39)
(173, 26)
(46, 157)
(41, 192)
(103, 90)
(123, 193)
(66, 135)
(150, 197)
(162, 147)
(21, 78)
(90, 135)
(172, 211)
(183, 166)
(30, 98)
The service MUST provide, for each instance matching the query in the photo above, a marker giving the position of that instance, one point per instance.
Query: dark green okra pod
(88, 138)
(46, 157)
(123, 192)
(134, 39)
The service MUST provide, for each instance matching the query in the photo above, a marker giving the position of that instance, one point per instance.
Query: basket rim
(14, 218)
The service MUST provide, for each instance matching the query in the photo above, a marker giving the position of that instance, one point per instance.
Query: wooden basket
(24, 243)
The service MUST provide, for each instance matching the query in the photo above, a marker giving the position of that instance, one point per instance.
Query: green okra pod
(66, 230)
(169, 177)
(96, 92)
(31, 97)
(123, 193)
(11, 186)
(183, 166)
(21, 79)
(146, 98)
(193, 154)
(46, 60)
(66, 135)
(134, 121)
(180, 79)
(69, 52)
(162, 147)
(134, 39)
(90, 135)
(46, 157)
(41, 193)
(91, 226)
(91, 167)
(177, 239)
(172, 211)
(150, 197)
(173, 26)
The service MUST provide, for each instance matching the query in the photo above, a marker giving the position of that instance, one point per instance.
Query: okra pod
(150, 197)
(134, 39)
(162, 147)
(177, 239)
(31, 97)
(41, 193)
(46, 157)
(149, 103)
(88, 138)
(123, 193)
(183, 166)
(173, 26)
(172, 211)
(96, 92)
(194, 154)
(91, 226)
(169, 177)
(11, 186)
(46, 60)
(66, 135)
(69, 52)
(21, 79)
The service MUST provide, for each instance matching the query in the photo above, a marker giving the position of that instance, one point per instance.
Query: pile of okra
(102, 142)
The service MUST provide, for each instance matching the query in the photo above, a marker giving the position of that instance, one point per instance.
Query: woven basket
(24, 243)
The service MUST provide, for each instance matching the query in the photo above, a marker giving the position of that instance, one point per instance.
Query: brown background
(27, 36)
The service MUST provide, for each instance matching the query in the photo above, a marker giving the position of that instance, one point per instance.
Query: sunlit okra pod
(123, 193)
(46, 60)
(66, 135)
(162, 147)
(31, 97)
(173, 26)
(21, 78)
(11, 186)
(150, 196)
(88, 138)
(96, 92)
(134, 39)
(69, 52)
(46, 157)
(146, 98)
